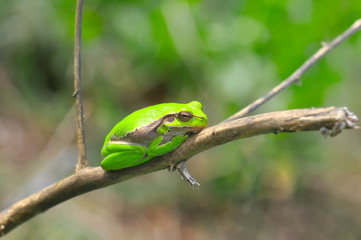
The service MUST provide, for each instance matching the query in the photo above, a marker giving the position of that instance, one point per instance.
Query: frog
(150, 132)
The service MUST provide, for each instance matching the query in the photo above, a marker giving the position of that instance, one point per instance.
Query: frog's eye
(184, 116)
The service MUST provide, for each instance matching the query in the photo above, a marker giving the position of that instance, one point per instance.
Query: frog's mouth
(195, 129)
(189, 130)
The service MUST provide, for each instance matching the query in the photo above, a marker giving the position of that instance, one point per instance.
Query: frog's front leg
(157, 149)
(119, 156)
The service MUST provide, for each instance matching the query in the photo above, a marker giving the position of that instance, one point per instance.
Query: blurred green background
(222, 53)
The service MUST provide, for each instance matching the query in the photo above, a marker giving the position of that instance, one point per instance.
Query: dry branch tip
(349, 121)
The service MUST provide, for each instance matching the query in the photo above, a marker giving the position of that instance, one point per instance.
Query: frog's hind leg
(122, 156)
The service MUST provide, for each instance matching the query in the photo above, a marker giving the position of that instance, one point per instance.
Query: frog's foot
(181, 167)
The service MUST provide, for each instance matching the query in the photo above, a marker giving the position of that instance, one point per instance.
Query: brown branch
(296, 75)
(82, 161)
(329, 120)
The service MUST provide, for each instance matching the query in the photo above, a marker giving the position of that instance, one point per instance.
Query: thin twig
(82, 161)
(330, 119)
(296, 75)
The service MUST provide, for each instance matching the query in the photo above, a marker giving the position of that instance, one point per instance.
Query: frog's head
(188, 118)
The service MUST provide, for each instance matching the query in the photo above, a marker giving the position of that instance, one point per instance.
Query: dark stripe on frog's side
(146, 134)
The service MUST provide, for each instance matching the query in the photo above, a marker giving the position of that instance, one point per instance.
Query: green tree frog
(151, 132)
